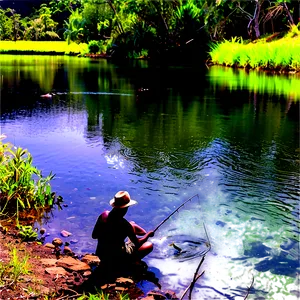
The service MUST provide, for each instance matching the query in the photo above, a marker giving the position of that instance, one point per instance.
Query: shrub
(19, 191)
(94, 47)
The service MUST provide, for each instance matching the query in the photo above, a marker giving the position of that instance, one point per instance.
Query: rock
(73, 264)
(170, 295)
(48, 245)
(67, 250)
(119, 288)
(56, 271)
(65, 233)
(157, 295)
(107, 286)
(57, 242)
(49, 262)
(74, 241)
(86, 273)
(42, 231)
(124, 281)
(91, 259)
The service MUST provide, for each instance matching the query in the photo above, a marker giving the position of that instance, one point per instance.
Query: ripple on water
(181, 247)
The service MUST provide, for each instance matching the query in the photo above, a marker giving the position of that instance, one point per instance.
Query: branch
(185, 291)
(196, 276)
(245, 12)
(251, 285)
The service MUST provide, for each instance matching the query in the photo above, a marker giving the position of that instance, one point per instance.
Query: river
(165, 134)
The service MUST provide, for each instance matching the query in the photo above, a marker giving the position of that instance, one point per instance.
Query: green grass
(12, 271)
(33, 47)
(280, 55)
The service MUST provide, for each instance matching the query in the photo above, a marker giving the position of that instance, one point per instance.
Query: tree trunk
(291, 21)
(256, 18)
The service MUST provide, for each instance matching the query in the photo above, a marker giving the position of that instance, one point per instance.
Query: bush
(19, 191)
(94, 47)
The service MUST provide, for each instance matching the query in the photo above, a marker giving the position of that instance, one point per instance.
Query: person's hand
(151, 233)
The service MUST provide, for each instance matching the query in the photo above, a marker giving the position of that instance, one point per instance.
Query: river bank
(33, 270)
(280, 55)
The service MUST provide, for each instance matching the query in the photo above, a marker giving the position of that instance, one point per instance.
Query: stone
(57, 242)
(65, 233)
(42, 231)
(56, 271)
(119, 288)
(73, 264)
(124, 281)
(157, 295)
(67, 250)
(48, 245)
(49, 262)
(91, 259)
(86, 273)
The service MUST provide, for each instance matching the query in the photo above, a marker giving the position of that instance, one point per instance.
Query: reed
(279, 55)
(37, 47)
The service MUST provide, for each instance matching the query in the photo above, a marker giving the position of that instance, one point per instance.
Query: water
(166, 134)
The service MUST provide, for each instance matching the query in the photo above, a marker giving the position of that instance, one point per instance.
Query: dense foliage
(22, 186)
(134, 28)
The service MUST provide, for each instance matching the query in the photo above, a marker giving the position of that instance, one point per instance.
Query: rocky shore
(56, 272)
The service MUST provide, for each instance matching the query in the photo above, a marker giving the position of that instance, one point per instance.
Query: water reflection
(235, 145)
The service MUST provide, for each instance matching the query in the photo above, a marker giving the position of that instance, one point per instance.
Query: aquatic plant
(19, 190)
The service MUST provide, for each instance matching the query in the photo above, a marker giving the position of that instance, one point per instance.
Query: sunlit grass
(33, 47)
(283, 54)
(260, 82)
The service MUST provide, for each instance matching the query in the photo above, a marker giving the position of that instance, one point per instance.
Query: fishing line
(207, 242)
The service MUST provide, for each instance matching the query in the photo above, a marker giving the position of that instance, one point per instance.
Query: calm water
(229, 136)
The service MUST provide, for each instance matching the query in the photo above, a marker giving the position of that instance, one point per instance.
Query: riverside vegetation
(176, 29)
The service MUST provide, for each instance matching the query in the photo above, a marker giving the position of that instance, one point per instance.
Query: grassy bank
(279, 55)
(34, 47)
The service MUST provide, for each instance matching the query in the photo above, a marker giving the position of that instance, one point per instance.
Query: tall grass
(282, 54)
(12, 271)
(33, 47)
(22, 185)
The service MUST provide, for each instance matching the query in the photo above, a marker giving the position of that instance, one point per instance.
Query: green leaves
(19, 190)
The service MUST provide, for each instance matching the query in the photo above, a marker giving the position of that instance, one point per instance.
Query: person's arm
(138, 242)
(97, 228)
(138, 230)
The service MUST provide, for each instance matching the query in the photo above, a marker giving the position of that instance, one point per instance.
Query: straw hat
(121, 200)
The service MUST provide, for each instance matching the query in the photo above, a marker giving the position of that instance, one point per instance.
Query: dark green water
(166, 134)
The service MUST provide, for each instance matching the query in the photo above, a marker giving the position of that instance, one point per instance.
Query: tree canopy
(131, 28)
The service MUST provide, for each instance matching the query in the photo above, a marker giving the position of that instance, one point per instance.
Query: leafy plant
(93, 46)
(27, 233)
(19, 190)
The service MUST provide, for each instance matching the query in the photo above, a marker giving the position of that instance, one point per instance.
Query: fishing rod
(176, 210)
(208, 244)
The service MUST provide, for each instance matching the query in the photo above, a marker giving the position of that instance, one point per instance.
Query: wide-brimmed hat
(121, 200)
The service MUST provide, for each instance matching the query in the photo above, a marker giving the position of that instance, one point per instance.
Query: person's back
(111, 232)
(112, 229)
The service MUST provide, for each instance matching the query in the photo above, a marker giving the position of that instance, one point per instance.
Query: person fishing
(118, 240)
